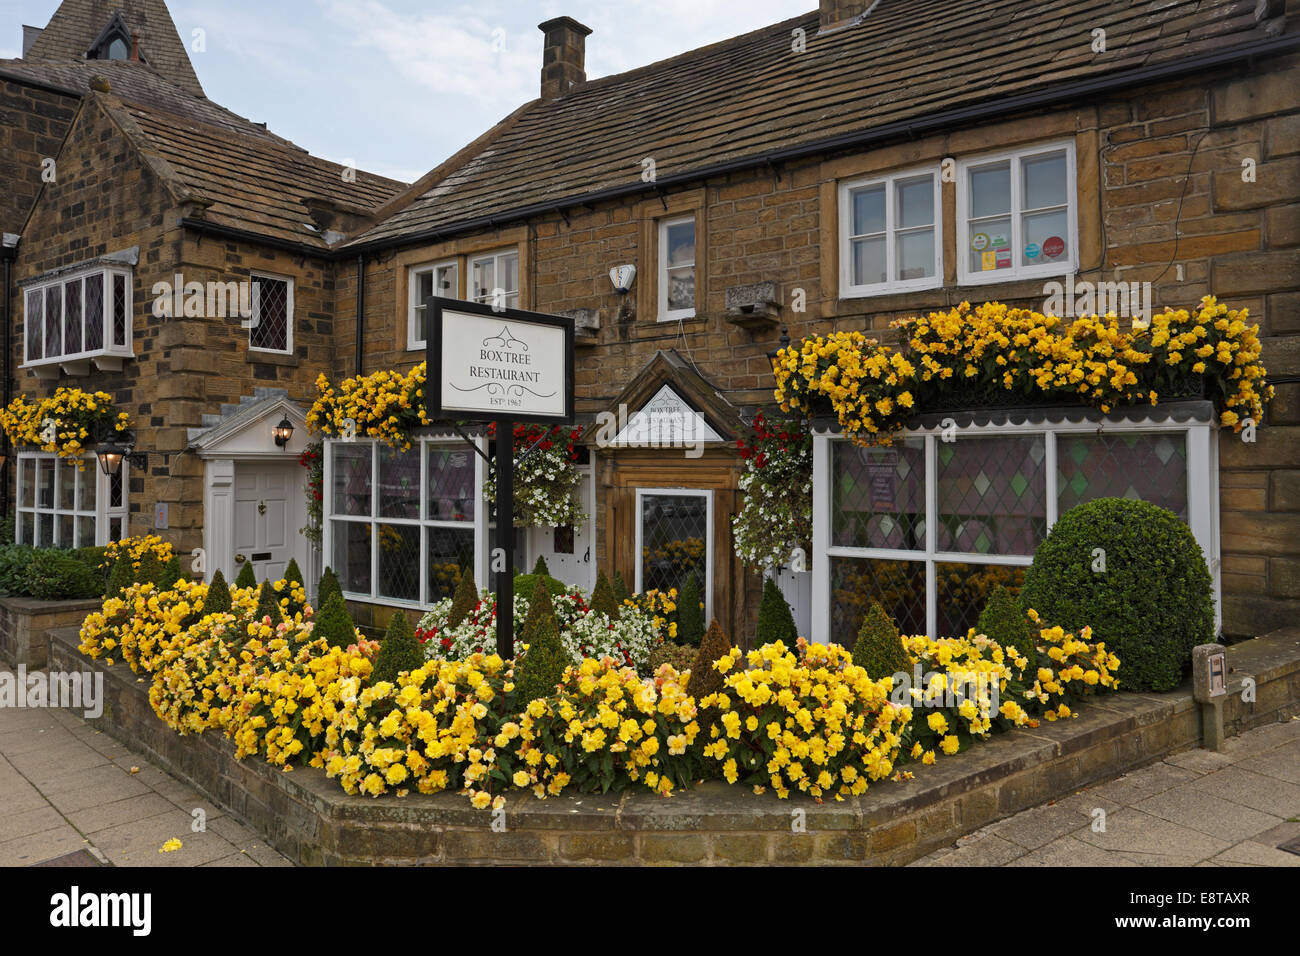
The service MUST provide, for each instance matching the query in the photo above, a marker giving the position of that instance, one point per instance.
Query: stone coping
(309, 818)
(29, 605)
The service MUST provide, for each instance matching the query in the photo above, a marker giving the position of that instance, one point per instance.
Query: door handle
(240, 558)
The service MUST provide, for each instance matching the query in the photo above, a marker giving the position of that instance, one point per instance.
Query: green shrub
(705, 679)
(540, 567)
(121, 577)
(218, 599)
(1005, 621)
(602, 598)
(399, 651)
(879, 650)
(542, 667)
(690, 616)
(246, 578)
(621, 593)
(334, 624)
(329, 584)
(680, 656)
(1151, 605)
(54, 575)
(527, 584)
(268, 604)
(171, 572)
(150, 571)
(294, 575)
(14, 559)
(464, 600)
(775, 621)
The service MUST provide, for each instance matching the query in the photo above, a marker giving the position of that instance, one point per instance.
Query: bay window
(401, 527)
(890, 235)
(75, 318)
(62, 506)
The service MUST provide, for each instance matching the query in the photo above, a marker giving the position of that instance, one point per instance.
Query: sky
(397, 86)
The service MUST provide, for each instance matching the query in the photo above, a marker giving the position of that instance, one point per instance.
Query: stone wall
(26, 622)
(33, 122)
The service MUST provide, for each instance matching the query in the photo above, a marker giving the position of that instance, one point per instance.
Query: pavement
(71, 795)
(1194, 808)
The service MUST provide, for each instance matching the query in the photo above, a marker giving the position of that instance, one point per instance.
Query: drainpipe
(10, 251)
(361, 309)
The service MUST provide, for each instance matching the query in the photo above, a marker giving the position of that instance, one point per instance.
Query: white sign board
(487, 364)
(666, 421)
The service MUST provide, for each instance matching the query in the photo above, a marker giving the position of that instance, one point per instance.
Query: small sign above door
(666, 421)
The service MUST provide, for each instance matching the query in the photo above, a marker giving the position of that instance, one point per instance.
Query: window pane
(271, 310)
(446, 282)
(484, 278)
(451, 554)
(53, 320)
(916, 255)
(990, 190)
(115, 488)
(869, 265)
(681, 244)
(399, 483)
(86, 482)
(35, 322)
(72, 317)
(119, 310)
(44, 483)
(1150, 467)
(1044, 181)
(26, 482)
(85, 532)
(1046, 237)
(916, 202)
(674, 532)
(26, 523)
(681, 289)
(115, 529)
(878, 499)
(399, 561)
(95, 311)
(869, 210)
(899, 587)
(351, 559)
(992, 495)
(352, 467)
(990, 245)
(67, 485)
(423, 289)
(44, 530)
(508, 272)
(964, 589)
(451, 485)
(63, 531)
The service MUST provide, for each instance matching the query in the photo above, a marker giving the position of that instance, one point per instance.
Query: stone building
(860, 163)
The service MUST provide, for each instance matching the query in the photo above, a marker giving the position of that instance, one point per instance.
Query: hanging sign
(488, 364)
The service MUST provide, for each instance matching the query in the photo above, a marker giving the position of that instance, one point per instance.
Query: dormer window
(114, 43)
(117, 50)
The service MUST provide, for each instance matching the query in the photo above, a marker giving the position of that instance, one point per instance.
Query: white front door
(268, 502)
(570, 555)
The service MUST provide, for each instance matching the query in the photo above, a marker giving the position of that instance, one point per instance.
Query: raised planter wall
(308, 817)
(25, 622)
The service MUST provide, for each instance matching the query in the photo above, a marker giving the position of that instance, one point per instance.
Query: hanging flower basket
(67, 424)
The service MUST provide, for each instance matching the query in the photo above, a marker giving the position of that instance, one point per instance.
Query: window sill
(284, 359)
(942, 298)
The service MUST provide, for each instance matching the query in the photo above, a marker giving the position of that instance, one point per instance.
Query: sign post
(504, 366)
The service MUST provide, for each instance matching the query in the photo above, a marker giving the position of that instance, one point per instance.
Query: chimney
(29, 37)
(135, 47)
(839, 13)
(564, 56)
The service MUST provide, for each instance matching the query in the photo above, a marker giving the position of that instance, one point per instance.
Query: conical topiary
(247, 578)
(879, 650)
(218, 599)
(171, 572)
(602, 598)
(542, 667)
(150, 570)
(329, 584)
(399, 651)
(705, 679)
(1005, 621)
(464, 600)
(294, 577)
(333, 623)
(775, 622)
(268, 604)
(690, 616)
(120, 578)
(540, 567)
(621, 593)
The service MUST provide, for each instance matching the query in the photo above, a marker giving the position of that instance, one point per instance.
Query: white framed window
(1017, 215)
(674, 541)
(440, 279)
(63, 506)
(494, 278)
(402, 526)
(677, 268)
(77, 317)
(270, 328)
(891, 234)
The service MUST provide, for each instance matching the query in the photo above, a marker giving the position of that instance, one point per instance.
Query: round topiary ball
(1134, 573)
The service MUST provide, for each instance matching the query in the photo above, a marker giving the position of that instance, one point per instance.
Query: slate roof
(753, 94)
(76, 25)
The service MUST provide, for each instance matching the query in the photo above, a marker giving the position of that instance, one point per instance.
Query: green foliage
(464, 600)
(540, 567)
(621, 592)
(334, 624)
(1152, 603)
(399, 651)
(527, 584)
(681, 657)
(690, 616)
(171, 572)
(268, 604)
(121, 577)
(879, 650)
(705, 679)
(1005, 621)
(602, 598)
(14, 559)
(54, 575)
(329, 584)
(218, 599)
(293, 574)
(150, 571)
(246, 578)
(775, 621)
(542, 667)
